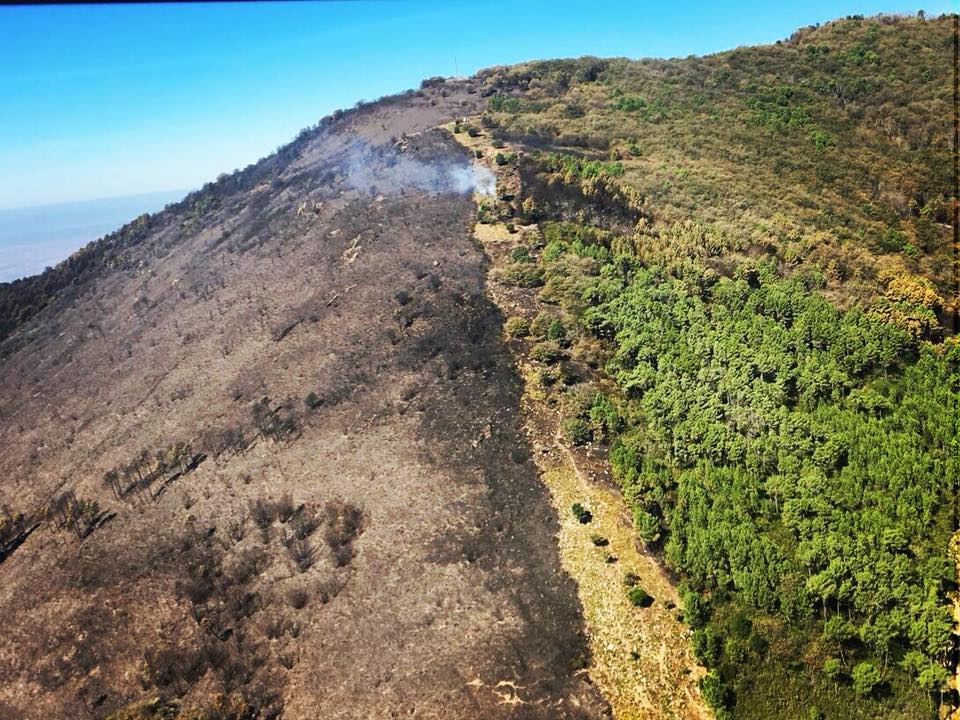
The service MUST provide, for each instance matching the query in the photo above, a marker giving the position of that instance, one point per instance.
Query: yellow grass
(640, 657)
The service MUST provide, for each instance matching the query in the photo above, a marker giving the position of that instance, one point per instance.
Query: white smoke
(387, 170)
(473, 178)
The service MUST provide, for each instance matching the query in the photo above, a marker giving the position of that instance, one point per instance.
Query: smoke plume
(384, 169)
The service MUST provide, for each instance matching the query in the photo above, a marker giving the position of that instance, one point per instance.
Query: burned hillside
(265, 456)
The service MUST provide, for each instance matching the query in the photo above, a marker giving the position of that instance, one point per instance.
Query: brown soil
(448, 601)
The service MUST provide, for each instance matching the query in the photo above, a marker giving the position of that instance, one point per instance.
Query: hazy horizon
(35, 237)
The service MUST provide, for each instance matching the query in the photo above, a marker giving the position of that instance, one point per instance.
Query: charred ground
(283, 430)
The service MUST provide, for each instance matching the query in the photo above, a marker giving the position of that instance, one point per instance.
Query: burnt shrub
(274, 627)
(241, 604)
(263, 513)
(328, 589)
(237, 529)
(249, 565)
(285, 508)
(344, 523)
(304, 524)
(302, 554)
(196, 589)
(297, 598)
(342, 555)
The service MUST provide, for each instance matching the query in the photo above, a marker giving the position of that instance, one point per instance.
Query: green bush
(639, 597)
(556, 330)
(581, 513)
(716, 694)
(547, 376)
(521, 253)
(865, 678)
(546, 352)
(521, 274)
(517, 327)
(576, 431)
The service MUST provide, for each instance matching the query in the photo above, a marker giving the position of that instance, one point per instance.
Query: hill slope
(753, 253)
(312, 334)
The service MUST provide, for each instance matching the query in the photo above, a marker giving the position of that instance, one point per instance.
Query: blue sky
(101, 101)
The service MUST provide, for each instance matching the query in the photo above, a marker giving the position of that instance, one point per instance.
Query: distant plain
(40, 236)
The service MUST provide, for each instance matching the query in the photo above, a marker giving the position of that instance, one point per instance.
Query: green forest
(752, 250)
(789, 459)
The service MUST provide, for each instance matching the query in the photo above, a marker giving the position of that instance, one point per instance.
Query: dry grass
(640, 657)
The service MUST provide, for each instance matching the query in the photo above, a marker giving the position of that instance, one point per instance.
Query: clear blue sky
(104, 100)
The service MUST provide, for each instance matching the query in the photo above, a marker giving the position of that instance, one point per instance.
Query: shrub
(344, 523)
(237, 529)
(523, 275)
(630, 579)
(297, 598)
(521, 253)
(517, 327)
(302, 554)
(647, 525)
(274, 627)
(706, 646)
(715, 693)
(546, 352)
(327, 590)
(696, 610)
(577, 431)
(639, 597)
(511, 228)
(599, 540)
(581, 513)
(500, 159)
(547, 376)
(556, 330)
(304, 525)
(865, 678)
(312, 401)
(284, 508)
(263, 513)
(833, 669)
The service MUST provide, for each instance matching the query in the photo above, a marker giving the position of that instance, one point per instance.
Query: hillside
(830, 151)
(752, 252)
(276, 435)
(575, 389)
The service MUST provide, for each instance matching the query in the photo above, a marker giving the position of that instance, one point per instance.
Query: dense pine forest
(753, 249)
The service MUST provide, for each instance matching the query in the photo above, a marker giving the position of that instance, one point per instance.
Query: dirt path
(640, 657)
